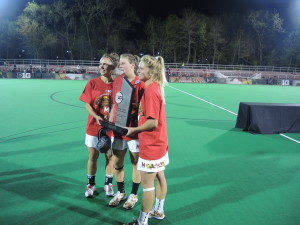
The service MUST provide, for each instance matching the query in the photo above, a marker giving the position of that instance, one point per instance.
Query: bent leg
(161, 185)
(92, 164)
(119, 156)
(136, 175)
(148, 190)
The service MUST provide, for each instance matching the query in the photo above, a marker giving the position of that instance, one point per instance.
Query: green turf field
(218, 175)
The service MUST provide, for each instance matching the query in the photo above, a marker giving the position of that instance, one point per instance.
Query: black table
(269, 118)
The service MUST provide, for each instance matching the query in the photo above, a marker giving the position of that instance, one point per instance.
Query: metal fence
(46, 62)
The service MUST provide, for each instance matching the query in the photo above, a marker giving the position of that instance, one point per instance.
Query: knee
(134, 163)
(118, 164)
(147, 183)
(119, 169)
(93, 157)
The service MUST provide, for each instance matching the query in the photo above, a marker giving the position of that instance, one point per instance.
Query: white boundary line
(292, 139)
(204, 100)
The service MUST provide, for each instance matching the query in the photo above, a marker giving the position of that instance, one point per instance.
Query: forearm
(111, 113)
(91, 110)
(148, 125)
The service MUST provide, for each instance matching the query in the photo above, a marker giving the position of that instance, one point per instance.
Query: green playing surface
(218, 175)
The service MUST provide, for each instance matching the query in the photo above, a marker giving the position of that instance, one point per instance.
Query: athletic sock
(143, 218)
(135, 187)
(108, 179)
(121, 188)
(159, 205)
(91, 180)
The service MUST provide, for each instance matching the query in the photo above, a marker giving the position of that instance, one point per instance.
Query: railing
(48, 62)
(233, 67)
(168, 65)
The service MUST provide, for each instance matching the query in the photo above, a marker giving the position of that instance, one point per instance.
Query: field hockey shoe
(90, 191)
(117, 198)
(132, 199)
(156, 215)
(135, 222)
(109, 191)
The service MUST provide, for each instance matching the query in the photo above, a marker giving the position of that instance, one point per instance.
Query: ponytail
(156, 67)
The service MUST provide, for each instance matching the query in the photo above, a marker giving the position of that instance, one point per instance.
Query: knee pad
(119, 168)
(148, 189)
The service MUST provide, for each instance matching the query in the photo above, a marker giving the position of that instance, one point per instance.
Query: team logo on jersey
(137, 82)
(104, 102)
(141, 112)
(119, 97)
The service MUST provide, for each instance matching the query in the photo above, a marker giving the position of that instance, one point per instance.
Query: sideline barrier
(192, 78)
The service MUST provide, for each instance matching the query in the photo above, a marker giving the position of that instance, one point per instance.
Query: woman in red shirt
(98, 99)
(153, 138)
(128, 65)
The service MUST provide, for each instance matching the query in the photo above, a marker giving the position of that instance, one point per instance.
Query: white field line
(292, 139)
(204, 100)
(201, 99)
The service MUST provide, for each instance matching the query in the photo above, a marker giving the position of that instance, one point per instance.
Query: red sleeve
(152, 104)
(86, 95)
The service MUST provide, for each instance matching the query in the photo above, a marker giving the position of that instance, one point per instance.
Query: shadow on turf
(38, 135)
(234, 178)
(236, 141)
(53, 198)
(214, 124)
(42, 188)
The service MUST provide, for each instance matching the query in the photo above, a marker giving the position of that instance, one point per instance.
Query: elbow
(155, 124)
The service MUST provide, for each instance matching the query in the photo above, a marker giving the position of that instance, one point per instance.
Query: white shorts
(132, 145)
(153, 165)
(91, 141)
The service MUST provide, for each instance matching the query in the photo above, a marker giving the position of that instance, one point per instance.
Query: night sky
(9, 9)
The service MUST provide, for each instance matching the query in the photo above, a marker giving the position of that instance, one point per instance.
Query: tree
(216, 38)
(9, 41)
(90, 10)
(189, 28)
(64, 24)
(117, 19)
(292, 49)
(264, 24)
(33, 26)
(201, 40)
(170, 31)
(152, 32)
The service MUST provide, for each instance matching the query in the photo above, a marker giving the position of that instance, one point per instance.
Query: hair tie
(110, 58)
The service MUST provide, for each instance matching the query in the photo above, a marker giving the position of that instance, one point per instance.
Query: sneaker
(156, 215)
(117, 198)
(132, 199)
(109, 191)
(90, 191)
(135, 222)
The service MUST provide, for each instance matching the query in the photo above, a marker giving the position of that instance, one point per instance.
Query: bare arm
(148, 125)
(111, 113)
(93, 113)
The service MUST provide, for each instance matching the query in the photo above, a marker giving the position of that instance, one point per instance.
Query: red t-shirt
(153, 143)
(139, 87)
(98, 95)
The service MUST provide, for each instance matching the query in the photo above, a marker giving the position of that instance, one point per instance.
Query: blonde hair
(133, 59)
(113, 57)
(156, 68)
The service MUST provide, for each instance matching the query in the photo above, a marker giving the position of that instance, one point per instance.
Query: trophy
(123, 99)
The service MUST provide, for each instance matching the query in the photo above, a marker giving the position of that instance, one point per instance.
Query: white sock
(143, 219)
(159, 205)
